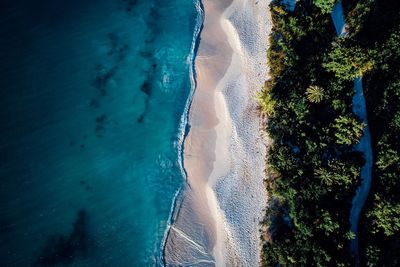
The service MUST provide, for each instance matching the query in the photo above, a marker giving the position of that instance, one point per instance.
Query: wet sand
(217, 216)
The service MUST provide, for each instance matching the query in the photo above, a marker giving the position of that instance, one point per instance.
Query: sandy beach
(216, 220)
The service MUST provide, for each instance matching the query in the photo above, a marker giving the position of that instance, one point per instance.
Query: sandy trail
(364, 146)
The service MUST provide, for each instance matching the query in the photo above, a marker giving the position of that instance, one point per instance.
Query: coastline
(217, 223)
(183, 129)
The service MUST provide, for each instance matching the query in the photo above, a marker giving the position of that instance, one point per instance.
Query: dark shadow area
(61, 249)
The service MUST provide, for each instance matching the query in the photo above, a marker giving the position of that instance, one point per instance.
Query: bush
(348, 61)
(348, 130)
(325, 5)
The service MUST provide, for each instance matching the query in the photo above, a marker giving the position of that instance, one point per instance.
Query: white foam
(184, 122)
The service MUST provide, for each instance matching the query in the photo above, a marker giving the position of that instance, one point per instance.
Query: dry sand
(217, 217)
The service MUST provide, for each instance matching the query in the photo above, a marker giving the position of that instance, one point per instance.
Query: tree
(372, 255)
(395, 124)
(327, 224)
(387, 156)
(347, 61)
(325, 5)
(350, 235)
(385, 216)
(348, 130)
(325, 176)
(356, 17)
(315, 94)
(339, 173)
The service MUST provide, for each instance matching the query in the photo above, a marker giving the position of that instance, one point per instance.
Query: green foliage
(379, 225)
(312, 177)
(385, 216)
(392, 46)
(285, 29)
(347, 61)
(295, 29)
(396, 121)
(350, 235)
(276, 57)
(315, 94)
(372, 254)
(338, 173)
(389, 54)
(327, 224)
(325, 5)
(266, 101)
(356, 17)
(387, 156)
(348, 130)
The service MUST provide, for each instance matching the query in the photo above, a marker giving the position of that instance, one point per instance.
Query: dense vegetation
(312, 167)
(377, 30)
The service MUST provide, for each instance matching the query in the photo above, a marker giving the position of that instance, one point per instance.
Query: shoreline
(184, 126)
(222, 204)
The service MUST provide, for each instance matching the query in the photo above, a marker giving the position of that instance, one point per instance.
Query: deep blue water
(92, 96)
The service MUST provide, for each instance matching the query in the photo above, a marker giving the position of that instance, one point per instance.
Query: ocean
(92, 109)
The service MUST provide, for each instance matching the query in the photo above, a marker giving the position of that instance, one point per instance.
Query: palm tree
(315, 94)
(325, 176)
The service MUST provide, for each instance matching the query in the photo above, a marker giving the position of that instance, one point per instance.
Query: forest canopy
(312, 167)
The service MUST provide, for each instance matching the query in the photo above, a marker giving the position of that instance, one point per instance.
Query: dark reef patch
(141, 118)
(146, 54)
(117, 50)
(101, 118)
(146, 87)
(117, 53)
(94, 103)
(152, 25)
(61, 249)
(105, 72)
(86, 186)
(100, 125)
(129, 5)
(103, 76)
(154, 29)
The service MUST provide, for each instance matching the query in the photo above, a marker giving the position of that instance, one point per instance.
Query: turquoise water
(92, 97)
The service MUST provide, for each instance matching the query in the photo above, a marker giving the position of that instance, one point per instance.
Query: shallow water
(92, 95)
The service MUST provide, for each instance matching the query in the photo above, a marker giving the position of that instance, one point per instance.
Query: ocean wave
(184, 125)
